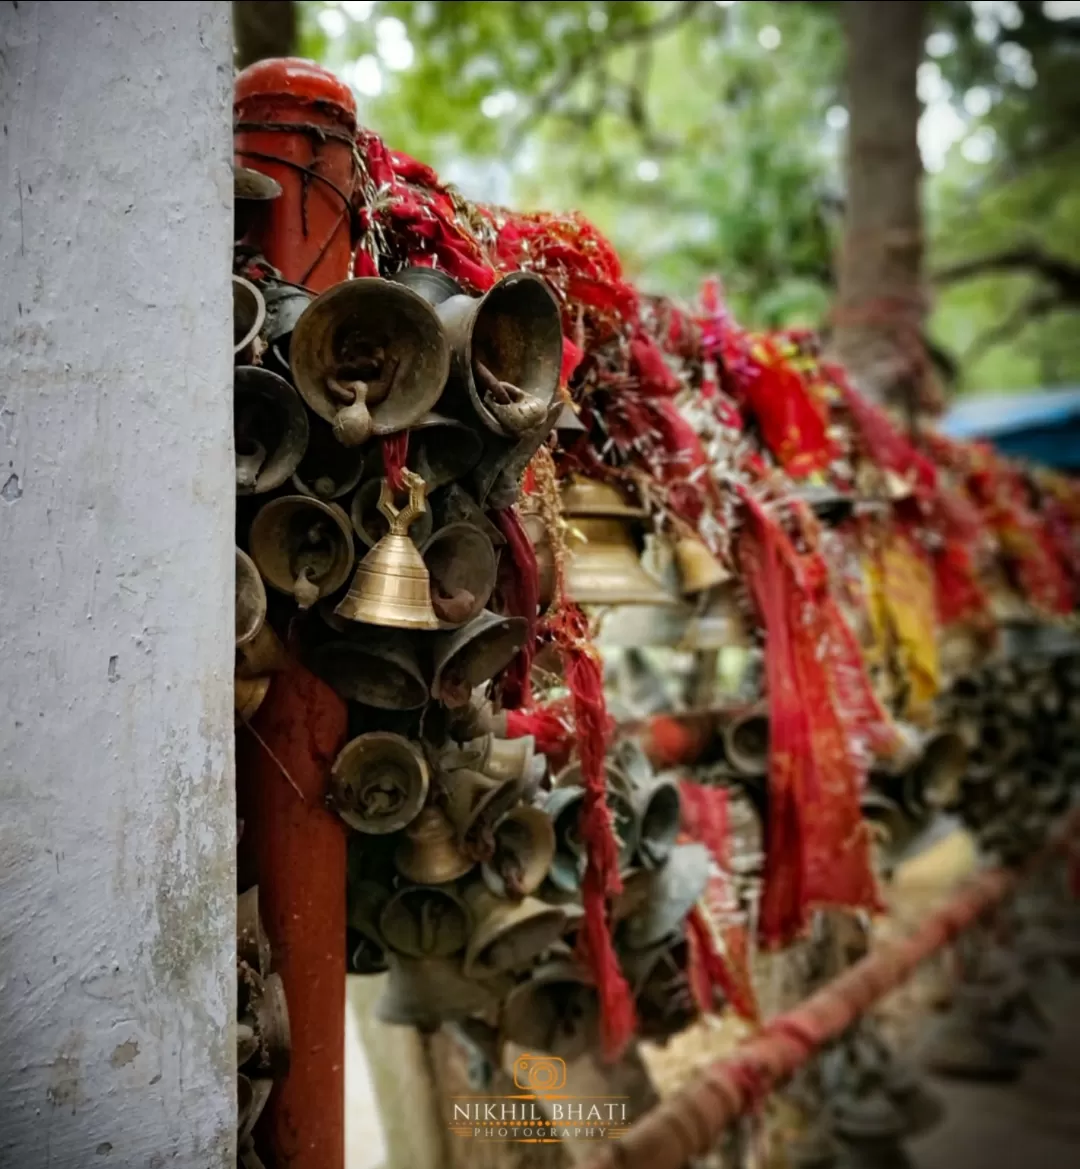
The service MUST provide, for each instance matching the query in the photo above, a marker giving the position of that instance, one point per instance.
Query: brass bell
(496, 758)
(370, 357)
(428, 853)
(285, 305)
(366, 902)
(507, 348)
(328, 470)
(722, 623)
(252, 191)
(371, 523)
(252, 944)
(303, 547)
(248, 695)
(379, 782)
(664, 999)
(524, 850)
(425, 921)
(442, 450)
(746, 743)
(271, 1016)
(508, 935)
(475, 804)
(603, 566)
(536, 530)
(654, 799)
(473, 654)
(556, 1010)
(624, 819)
(593, 498)
(426, 992)
(433, 284)
(250, 600)
(249, 313)
(375, 668)
(461, 564)
(699, 570)
(496, 480)
(391, 586)
(675, 888)
(270, 429)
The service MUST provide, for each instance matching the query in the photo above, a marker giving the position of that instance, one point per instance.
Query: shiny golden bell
(603, 567)
(593, 497)
(698, 568)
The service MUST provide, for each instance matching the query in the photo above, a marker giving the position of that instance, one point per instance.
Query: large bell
(699, 570)
(461, 565)
(675, 889)
(426, 992)
(473, 654)
(524, 850)
(508, 935)
(475, 804)
(428, 853)
(371, 523)
(249, 313)
(379, 782)
(507, 348)
(556, 1010)
(746, 743)
(603, 566)
(370, 357)
(328, 470)
(303, 547)
(373, 667)
(250, 600)
(391, 586)
(270, 429)
(425, 921)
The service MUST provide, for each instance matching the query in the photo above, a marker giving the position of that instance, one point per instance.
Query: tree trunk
(880, 307)
(263, 28)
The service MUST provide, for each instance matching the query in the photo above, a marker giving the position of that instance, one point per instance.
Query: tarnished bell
(370, 357)
(563, 806)
(426, 992)
(746, 743)
(425, 921)
(270, 429)
(462, 566)
(366, 903)
(370, 522)
(428, 853)
(303, 547)
(665, 1001)
(524, 849)
(391, 585)
(248, 695)
(698, 568)
(252, 191)
(603, 567)
(508, 935)
(654, 799)
(328, 470)
(507, 348)
(475, 803)
(556, 1011)
(379, 782)
(474, 654)
(250, 600)
(249, 313)
(496, 480)
(495, 757)
(372, 666)
(442, 450)
(674, 890)
(252, 944)
(432, 284)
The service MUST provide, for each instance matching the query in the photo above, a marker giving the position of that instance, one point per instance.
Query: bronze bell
(250, 600)
(496, 480)
(433, 284)
(426, 992)
(461, 564)
(425, 921)
(563, 807)
(496, 758)
(372, 666)
(249, 313)
(664, 999)
(379, 782)
(656, 808)
(603, 566)
(746, 743)
(270, 429)
(556, 1010)
(624, 819)
(252, 944)
(475, 804)
(428, 853)
(473, 654)
(593, 498)
(248, 695)
(252, 191)
(699, 570)
(507, 348)
(508, 935)
(454, 505)
(251, 1097)
(524, 849)
(442, 450)
(285, 305)
(391, 586)
(328, 470)
(303, 547)
(371, 523)
(675, 888)
(370, 357)
(366, 902)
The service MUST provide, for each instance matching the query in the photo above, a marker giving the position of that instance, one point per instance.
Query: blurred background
(709, 137)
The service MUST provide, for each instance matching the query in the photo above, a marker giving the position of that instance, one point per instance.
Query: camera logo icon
(540, 1073)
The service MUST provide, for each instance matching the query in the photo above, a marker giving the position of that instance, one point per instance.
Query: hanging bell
(496, 480)
(536, 530)
(249, 313)
(371, 666)
(568, 425)
(250, 600)
(624, 819)
(595, 499)
(603, 566)
(507, 348)
(722, 624)
(454, 505)
(303, 547)
(654, 799)
(461, 565)
(563, 807)
(328, 470)
(473, 654)
(391, 585)
(271, 1020)
(252, 944)
(475, 804)
(366, 902)
(524, 850)
(427, 992)
(371, 524)
(425, 921)
(252, 191)
(675, 888)
(442, 450)
(370, 357)
(665, 1002)
(699, 570)
(556, 1011)
(379, 782)
(508, 935)
(433, 284)
(746, 743)
(251, 1097)
(270, 429)
(496, 758)
(285, 305)
(263, 654)
(428, 853)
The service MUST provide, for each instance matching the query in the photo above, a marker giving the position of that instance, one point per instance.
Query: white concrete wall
(117, 820)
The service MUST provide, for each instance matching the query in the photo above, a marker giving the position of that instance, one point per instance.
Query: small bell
(461, 564)
(251, 1096)
(285, 305)
(303, 547)
(496, 479)
(556, 1010)
(428, 853)
(270, 429)
(366, 903)
(508, 935)
(698, 568)
(371, 524)
(475, 804)
(443, 450)
(675, 888)
(746, 743)
(425, 921)
(249, 313)
(370, 357)
(507, 348)
(568, 424)
(563, 807)
(391, 585)
(496, 758)
(655, 801)
(454, 505)
(473, 654)
(328, 470)
(379, 782)
(624, 819)
(603, 566)
(524, 850)
(427, 992)
(246, 1042)
(250, 600)
(371, 666)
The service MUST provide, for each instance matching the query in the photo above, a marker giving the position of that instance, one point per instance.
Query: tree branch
(1038, 304)
(1062, 273)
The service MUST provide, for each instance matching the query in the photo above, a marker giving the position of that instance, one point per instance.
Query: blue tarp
(1042, 427)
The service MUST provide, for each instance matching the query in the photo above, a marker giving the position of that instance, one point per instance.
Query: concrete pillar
(117, 822)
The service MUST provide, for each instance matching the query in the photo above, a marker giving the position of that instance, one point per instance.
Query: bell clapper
(353, 423)
(515, 409)
(250, 456)
(305, 590)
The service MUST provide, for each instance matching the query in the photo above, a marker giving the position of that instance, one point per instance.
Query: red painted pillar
(297, 849)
